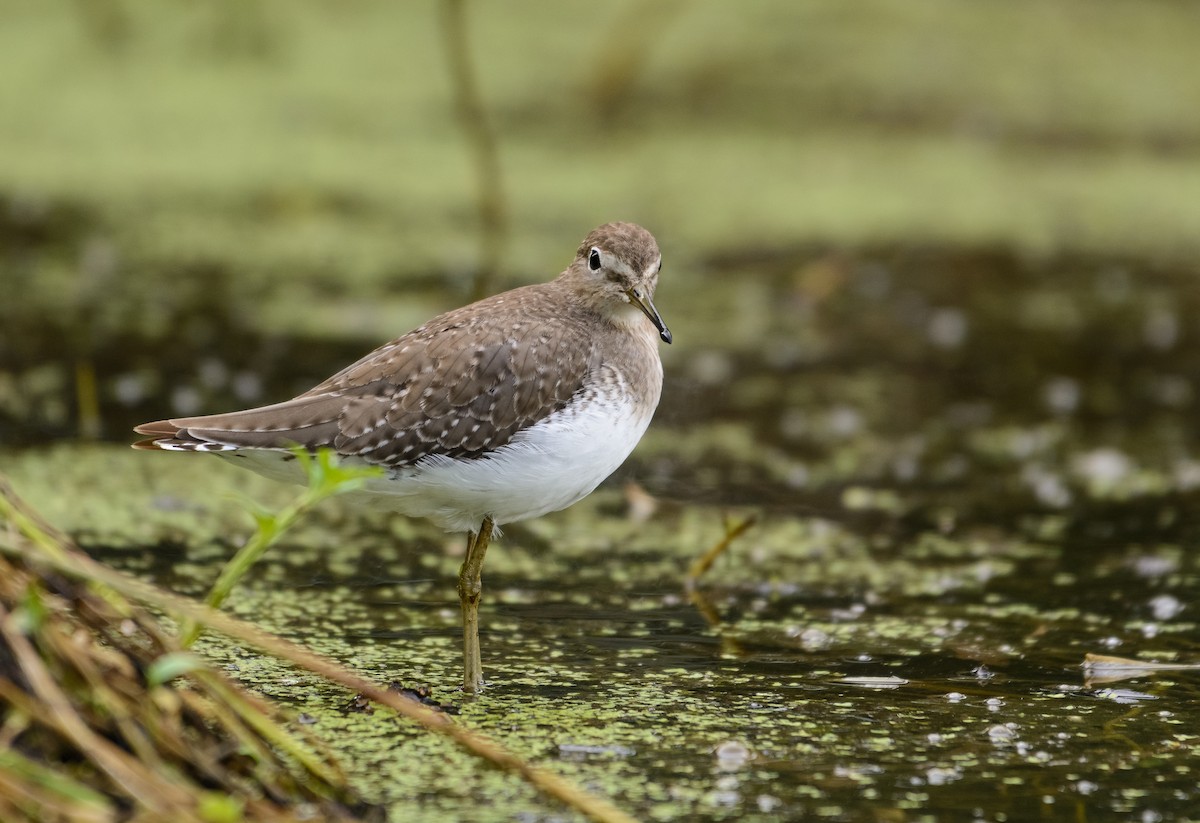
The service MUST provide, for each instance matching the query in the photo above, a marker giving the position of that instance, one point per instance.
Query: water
(969, 471)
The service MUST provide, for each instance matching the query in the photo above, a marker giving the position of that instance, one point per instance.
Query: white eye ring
(594, 259)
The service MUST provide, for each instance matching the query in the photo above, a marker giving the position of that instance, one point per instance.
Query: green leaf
(221, 808)
(31, 614)
(170, 666)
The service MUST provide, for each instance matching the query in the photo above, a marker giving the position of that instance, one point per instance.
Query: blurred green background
(183, 183)
(930, 268)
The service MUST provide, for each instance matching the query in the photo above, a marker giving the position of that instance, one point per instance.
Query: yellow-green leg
(470, 590)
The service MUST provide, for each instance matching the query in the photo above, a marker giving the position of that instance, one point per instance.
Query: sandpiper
(499, 411)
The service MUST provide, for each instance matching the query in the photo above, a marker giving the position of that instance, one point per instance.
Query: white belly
(544, 468)
(547, 467)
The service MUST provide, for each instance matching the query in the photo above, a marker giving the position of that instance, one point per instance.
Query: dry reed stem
(69, 561)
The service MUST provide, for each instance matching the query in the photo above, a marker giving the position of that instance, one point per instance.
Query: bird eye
(594, 260)
(659, 269)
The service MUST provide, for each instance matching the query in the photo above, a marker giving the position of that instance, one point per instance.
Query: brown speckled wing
(459, 386)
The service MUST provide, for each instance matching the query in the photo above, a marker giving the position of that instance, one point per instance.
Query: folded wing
(459, 386)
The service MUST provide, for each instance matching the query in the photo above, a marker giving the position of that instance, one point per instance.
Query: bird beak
(647, 306)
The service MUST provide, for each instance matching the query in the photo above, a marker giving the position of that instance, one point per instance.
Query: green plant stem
(325, 479)
(247, 556)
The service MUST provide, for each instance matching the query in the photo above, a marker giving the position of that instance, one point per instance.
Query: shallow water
(970, 471)
(953, 684)
(971, 465)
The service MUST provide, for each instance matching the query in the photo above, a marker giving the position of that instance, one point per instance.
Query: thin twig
(481, 140)
(704, 562)
(625, 47)
(701, 565)
(56, 710)
(74, 564)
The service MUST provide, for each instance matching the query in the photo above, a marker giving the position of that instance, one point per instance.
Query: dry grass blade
(69, 564)
(90, 734)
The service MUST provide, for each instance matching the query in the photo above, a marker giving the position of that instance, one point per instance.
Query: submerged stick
(704, 562)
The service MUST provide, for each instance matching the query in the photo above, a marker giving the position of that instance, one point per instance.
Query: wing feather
(459, 386)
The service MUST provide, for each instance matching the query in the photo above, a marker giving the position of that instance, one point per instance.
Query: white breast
(545, 468)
